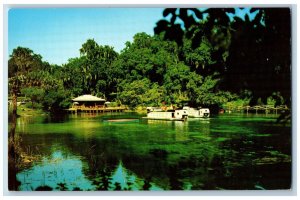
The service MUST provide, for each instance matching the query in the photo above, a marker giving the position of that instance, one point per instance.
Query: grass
(22, 110)
(22, 157)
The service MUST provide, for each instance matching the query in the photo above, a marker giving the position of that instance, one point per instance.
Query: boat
(152, 109)
(171, 115)
(197, 113)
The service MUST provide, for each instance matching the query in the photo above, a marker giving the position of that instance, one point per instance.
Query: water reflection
(59, 172)
(178, 128)
(66, 173)
(123, 179)
(13, 153)
(216, 153)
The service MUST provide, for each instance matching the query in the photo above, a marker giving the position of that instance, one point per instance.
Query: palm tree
(21, 63)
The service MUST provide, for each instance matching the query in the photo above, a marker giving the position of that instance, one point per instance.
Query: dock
(257, 109)
(95, 109)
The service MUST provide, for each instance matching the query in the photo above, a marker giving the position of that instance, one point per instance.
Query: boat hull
(205, 115)
(176, 115)
(200, 113)
(165, 119)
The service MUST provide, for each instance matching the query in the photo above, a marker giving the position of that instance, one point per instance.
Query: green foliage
(203, 91)
(95, 69)
(56, 100)
(147, 57)
(207, 62)
(148, 71)
(243, 51)
(21, 63)
(159, 62)
(141, 92)
(199, 58)
(236, 103)
(35, 106)
(35, 94)
(72, 77)
(114, 104)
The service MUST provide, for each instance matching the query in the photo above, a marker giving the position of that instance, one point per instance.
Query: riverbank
(22, 110)
(139, 109)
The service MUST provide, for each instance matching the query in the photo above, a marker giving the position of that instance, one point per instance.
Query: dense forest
(197, 57)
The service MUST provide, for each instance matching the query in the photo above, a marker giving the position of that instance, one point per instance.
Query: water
(91, 152)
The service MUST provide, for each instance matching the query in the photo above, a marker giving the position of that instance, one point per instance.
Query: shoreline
(23, 111)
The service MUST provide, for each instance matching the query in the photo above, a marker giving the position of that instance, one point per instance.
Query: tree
(141, 92)
(35, 94)
(147, 57)
(56, 99)
(253, 55)
(176, 74)
(22, 62)
(175, 81)
(199, 59)
(97, 62)
(72, 76)
(32, 77)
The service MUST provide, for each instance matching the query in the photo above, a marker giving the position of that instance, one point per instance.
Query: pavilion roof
(87, 97)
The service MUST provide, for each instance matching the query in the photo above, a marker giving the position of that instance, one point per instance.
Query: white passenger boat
(152, 109)
(199, 113)
(174, 115)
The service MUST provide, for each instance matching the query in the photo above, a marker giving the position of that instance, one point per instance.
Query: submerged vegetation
(86, 152)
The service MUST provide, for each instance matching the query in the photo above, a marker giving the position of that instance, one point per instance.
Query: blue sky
(58, 33)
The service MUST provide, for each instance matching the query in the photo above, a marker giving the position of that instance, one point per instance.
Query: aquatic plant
(44, 188)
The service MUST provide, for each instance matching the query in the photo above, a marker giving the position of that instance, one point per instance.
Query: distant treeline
(209, 59)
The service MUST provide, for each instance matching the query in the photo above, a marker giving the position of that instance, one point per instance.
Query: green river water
(90, 152)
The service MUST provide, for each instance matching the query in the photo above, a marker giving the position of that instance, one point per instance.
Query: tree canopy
(253, 55)
(203, 57)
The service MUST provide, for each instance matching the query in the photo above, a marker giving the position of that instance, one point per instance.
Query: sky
(57, 34)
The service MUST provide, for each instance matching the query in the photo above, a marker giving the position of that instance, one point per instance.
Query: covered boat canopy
(88, 98)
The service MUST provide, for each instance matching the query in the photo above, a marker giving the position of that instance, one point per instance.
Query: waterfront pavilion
(88, 101)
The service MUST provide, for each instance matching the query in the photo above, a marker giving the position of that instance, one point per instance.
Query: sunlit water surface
(90, 152)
